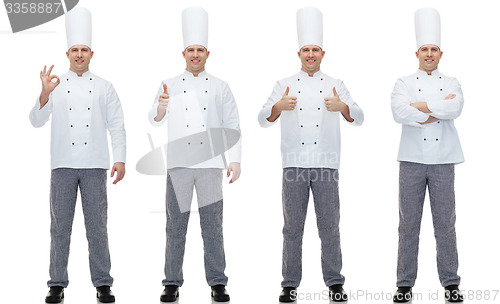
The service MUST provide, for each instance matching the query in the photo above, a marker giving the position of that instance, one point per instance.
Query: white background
(368, 44)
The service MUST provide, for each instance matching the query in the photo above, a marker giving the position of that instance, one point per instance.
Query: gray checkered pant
(208, 184)
(297, 182)
(64, 186)
(413, 180)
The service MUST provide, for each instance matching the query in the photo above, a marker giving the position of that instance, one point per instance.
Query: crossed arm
(422, 107)
(419, 113)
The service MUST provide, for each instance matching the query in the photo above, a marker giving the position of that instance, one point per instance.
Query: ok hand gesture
(47, 84)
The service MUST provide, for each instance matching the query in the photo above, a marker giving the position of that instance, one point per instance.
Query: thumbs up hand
(334, 104)
(161, 111)
(287, 103)
(163, 100)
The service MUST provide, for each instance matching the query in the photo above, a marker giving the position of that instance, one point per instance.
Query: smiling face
(196, 57)
(311, 56)
(428, 57)
(79, 58)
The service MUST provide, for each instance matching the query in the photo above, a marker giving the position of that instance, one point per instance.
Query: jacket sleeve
(448, 108)
(402, 112)
(116, 125)
(39, 117)
(267, 108)
(231, 121)
(154, 109)
(354, 110)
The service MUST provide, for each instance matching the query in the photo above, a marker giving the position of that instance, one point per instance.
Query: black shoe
(170, 293)
(219, 293)
(452, 294)
(105, 295)
(403, 295)
(288, 295)
(337, 293)
(55, 295)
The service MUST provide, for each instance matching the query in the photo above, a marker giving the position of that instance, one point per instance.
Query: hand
(47, 84)
(450, 96)
(119, 168)
(163, 100)
(287, 103)
(429, 120)
(236, 169)
(334, 104)
(421, 106)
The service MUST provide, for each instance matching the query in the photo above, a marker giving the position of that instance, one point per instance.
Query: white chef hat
(79, 27)
(195, 27)
(310, 27)
(427, 27)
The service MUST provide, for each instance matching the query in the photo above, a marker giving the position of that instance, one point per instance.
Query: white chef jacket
(82, 109)
(310, 134)
(197, 105)
(432, 143)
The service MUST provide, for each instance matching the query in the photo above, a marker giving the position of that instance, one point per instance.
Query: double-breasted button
(419, 90)
(71, 126)
(441, 89)
(184, 91)
(88, 109)
(417, 77)
(68, 92)
(425, 139)
(319, 109)
(204, 109)
(67, 79)
(87, 126)
(206, 78)
(321, 91)
(206, 91)
(302, 143)
(90, 91)
(314, 142)
(301, 126)
(300, 109)
(317, 126)
(70, 109)
(183, 79)
(299, 92)
(90, 78)
(437, 139)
